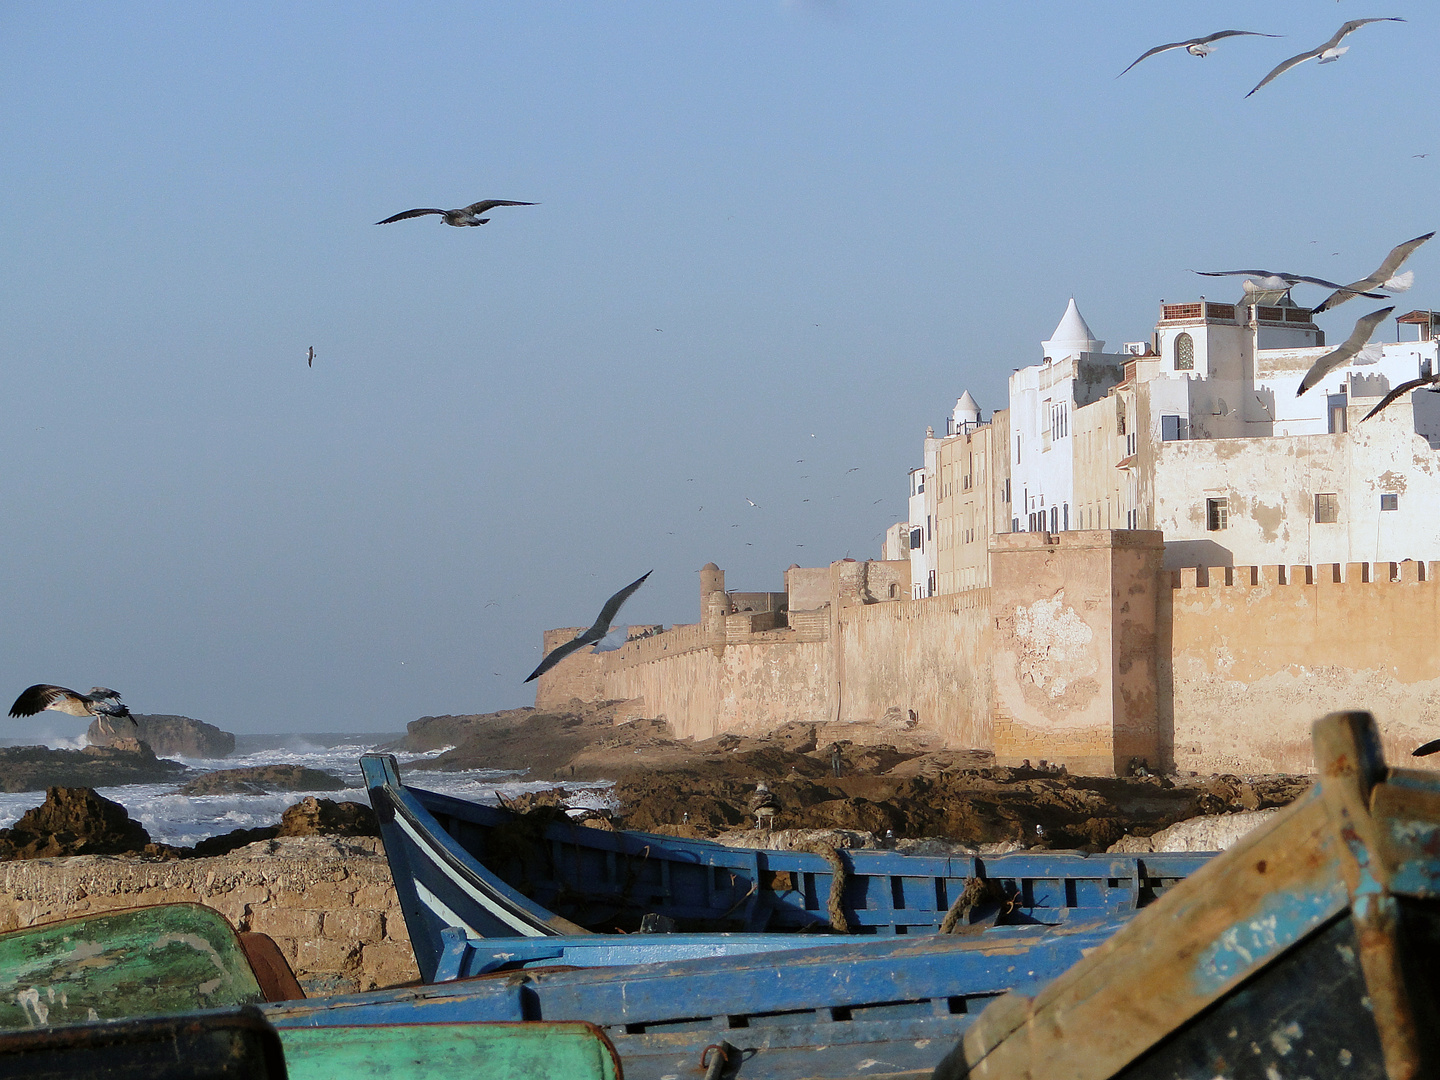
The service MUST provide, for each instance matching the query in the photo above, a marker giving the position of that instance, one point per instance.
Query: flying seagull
(598, 635)
(1199, 46)
(1280, 280)
(1384, 278)
(469, 215)
(1346, 352)
(310, 360)
(1404, 388)
(1328, 53)
(100, 702)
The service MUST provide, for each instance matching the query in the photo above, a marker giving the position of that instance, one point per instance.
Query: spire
(1072, 336)
(966, 414)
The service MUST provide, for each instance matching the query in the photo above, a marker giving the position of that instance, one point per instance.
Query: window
(1054, 519)
(1065, 521)
(931, 584)
(915, 538)
(1327, 509)
(1339, 422)
(1217, 514)
(1184, 353)
(1059, 421)
(1173, 428)
(1389, 502)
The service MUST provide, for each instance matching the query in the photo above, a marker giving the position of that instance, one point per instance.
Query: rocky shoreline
(881, 780)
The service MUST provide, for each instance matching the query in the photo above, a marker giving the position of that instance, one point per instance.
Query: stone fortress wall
(1084, 650)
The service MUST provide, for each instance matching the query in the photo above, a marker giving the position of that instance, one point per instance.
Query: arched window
(1184, 353)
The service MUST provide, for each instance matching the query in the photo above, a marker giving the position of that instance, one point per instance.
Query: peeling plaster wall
(1074, 655)
(1270, 486)
(1255, 664)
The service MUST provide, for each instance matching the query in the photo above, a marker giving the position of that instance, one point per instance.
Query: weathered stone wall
(1258, 653)
(329, 903)
(1074, 648)
(930, 655)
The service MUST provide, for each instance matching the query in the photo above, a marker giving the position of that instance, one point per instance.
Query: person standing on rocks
(836, 761)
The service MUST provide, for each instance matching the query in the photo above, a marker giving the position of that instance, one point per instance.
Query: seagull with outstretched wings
(1198, 46)
(100, 702)
(1384, 278)
(1347, 351)
(599, 635)
(1404, 388)
(1328, 53)
(466, 215)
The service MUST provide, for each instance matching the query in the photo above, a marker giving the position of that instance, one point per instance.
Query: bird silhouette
(1383, 278)
(466, 215)
(1404, 388)
(101, 703)
(1198, 46)
(310, 359)
(1348, 350)
(597, 635)
(1328, 52)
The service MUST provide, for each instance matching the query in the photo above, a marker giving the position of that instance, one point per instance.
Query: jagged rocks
(74, 821)
(36, 768)
(260, 779)
(169, 736)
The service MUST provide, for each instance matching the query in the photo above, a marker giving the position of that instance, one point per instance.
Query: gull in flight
(467, 215)
(1279, 280)
(1199, 46)
(1353, 346)
(1427, 381)
(310, 359)
(1328, 53)
(100, 702)
(1384, 278)
(599, 635)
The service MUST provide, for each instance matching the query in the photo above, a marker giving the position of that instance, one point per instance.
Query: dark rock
(73, 821)
(325, 817)
(235, 838)
(438, 732)
(260, 779)
(169, 736)
(36, 768)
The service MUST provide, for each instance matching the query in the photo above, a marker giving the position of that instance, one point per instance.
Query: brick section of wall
(329, 903)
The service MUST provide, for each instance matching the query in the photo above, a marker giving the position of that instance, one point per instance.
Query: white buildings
(1199, 433)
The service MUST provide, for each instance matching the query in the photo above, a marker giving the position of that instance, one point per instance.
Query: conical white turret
(967, 412)
(1072, 337)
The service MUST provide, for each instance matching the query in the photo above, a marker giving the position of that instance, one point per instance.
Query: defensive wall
(1084, 651)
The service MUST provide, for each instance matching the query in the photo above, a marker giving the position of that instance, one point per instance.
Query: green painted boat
(152, 961)
(506, 1051)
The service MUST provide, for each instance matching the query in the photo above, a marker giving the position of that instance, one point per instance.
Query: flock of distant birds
(1260, 287)
(1268, 286)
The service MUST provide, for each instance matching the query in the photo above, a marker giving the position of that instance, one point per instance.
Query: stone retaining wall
(328, 902)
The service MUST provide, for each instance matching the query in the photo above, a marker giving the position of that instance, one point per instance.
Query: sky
(773, 242)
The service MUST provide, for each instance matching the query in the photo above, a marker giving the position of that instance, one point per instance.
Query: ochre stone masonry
(329, 903)
(1083, 651)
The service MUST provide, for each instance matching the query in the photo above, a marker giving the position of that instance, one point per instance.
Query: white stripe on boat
(504, 914)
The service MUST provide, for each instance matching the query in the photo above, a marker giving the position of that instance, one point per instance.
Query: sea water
(182, 820)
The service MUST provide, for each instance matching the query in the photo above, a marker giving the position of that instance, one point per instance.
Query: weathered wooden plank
(529, 1051)
(161, 960)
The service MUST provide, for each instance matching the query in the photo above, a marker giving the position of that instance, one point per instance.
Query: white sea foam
(185, 819)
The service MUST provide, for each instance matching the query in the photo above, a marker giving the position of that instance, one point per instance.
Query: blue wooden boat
(822, 1011)
(1310, 948)
(489, 873)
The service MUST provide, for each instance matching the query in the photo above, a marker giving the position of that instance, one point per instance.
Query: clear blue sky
(767, 231)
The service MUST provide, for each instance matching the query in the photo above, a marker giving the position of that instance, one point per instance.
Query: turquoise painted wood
(526, 1051)
(153, 961)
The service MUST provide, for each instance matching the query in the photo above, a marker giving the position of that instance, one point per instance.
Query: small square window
(1327, 509)
(1217, 514)
(1389, 502)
